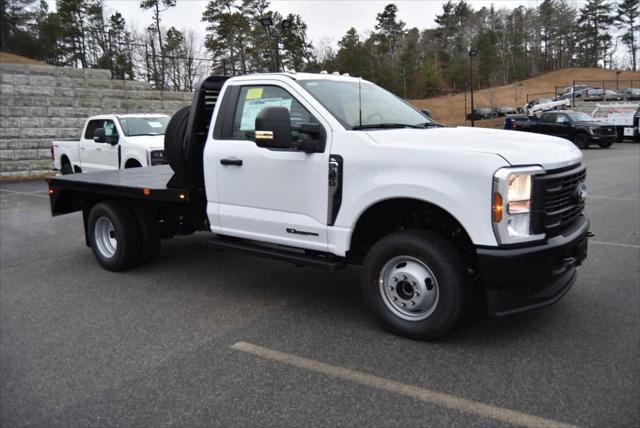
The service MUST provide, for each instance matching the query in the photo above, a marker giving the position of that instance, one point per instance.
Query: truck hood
(147, 141)
(517, 148)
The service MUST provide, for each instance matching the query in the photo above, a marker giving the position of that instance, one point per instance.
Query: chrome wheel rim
(408, 288)
(105, 237)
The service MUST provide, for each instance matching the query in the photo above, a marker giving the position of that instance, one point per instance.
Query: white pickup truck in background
(110, 142)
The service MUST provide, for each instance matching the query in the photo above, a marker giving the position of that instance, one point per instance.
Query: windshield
(136, 126)
(580, 117)
(379, 107)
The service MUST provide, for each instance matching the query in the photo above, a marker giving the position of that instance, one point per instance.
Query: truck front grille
(605, 130)
(558, 199)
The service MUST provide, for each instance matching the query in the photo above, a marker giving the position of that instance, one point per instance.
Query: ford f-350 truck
(328, 170)
(112, 141)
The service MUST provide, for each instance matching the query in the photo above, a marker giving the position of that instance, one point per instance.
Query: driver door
(267, 194)
(97, 156)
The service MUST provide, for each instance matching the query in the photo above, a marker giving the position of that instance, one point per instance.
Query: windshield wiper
(387, 126)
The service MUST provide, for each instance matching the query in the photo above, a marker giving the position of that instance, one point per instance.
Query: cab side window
(253, 99)
(561, 118)
(91, 128)
(110, 129)
(109, 126)
(547, 117)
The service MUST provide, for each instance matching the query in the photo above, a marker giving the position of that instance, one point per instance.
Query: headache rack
(558, 199)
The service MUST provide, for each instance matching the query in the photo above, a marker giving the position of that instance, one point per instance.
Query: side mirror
(113, 139)
(273, 128)
(99, 136)
(426, 112)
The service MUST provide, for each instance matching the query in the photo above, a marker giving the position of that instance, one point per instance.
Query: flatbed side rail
(67, 196)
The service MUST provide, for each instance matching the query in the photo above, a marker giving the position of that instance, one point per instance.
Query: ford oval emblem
(581, 192)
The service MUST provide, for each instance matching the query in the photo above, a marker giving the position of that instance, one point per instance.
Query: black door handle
(231, 161)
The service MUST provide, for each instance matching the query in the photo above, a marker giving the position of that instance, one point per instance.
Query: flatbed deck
(148, 183)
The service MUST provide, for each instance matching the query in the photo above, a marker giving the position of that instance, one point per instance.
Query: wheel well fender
(393, 214)
(132, 162)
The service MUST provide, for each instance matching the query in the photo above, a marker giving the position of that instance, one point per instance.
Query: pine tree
(158, 6)
(628, 19)
(594, 22)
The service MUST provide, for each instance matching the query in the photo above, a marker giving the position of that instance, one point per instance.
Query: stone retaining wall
(39, 103)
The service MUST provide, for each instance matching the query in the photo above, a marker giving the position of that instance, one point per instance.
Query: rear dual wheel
(121, 237)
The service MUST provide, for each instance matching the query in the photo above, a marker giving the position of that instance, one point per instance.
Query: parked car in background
(599, 94)
(481, 113)
(570, 89)
(571, 93)
(112, 141)
(575, 126)
(503, 111)
(631, 94)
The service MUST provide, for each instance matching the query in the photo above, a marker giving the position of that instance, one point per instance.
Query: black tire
(174, 137)
(66, 167)
(126, 233)
(605, 145)
(451, 282)
(581, 140)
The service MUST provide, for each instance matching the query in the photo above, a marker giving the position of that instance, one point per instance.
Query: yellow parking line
(422, 394)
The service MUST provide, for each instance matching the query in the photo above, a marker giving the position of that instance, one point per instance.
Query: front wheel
(582, 141)
(416, 282)
(605, 145)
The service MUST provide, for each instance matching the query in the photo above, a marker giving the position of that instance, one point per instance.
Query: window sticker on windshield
(253, 107)
(155, 124)
(254, 94)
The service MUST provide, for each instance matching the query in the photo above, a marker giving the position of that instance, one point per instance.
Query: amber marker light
(146, 191)
(182, 196)
(497, 207)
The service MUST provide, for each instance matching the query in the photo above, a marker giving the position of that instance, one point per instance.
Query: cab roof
(301, 76)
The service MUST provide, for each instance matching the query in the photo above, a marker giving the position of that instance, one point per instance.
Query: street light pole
(267, 22)
(618, 79)
(472, 52)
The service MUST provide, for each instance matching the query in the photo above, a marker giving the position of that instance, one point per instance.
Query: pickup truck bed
(149, 184)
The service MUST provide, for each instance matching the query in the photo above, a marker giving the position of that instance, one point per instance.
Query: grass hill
(16, 59)
(449, 109)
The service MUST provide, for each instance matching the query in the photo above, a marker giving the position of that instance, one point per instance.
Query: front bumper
(524, 278)
(602, 138)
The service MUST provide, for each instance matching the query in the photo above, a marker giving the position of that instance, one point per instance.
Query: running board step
(323, 260)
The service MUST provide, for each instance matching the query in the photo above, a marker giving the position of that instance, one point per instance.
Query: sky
(327, 20)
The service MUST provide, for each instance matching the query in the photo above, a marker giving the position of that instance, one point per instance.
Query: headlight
(155, 157)
(511, 204)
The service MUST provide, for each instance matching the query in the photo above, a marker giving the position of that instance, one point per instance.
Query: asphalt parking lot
(200, 337)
